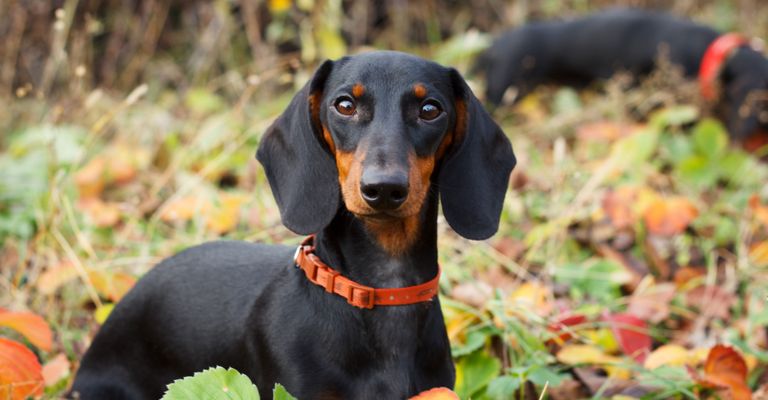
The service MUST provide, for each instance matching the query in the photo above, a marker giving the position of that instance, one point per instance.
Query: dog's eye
(345, 106)
(430, 110)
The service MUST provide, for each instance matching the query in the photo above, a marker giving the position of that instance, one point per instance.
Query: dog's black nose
(384, 191)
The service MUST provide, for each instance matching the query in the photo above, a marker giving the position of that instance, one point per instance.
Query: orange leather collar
(712, 63)
(356, 294)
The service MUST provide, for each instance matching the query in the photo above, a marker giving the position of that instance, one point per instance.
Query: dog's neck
(347, 246)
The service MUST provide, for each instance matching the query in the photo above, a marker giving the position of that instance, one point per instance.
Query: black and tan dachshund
(360, 158)
(581, 51)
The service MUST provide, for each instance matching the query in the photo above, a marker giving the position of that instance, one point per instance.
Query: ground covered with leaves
(631, 260)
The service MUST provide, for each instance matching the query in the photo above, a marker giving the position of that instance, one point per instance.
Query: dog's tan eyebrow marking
(419, 90)
(358, 90)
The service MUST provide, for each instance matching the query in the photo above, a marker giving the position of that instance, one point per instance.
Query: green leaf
(474, 372)
(541, 375)
(675, 116)
(698, 171)
(710, 139)
(475, 340)
(280, 393)
(599, 280)
(213, 384)
(636, 148)
(503, 387)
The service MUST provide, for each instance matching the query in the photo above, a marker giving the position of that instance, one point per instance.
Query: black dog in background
(581, 51)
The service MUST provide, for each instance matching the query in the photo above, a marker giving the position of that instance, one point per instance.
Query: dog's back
(209, 279)
(578, 52)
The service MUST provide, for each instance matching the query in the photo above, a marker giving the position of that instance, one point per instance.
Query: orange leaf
(669, 216)
(20, 372)
(185, 208)
(55, 276)
(440, 393)
(102, 214)
(90, 178)
(760, 211)
(758, 253)
(725, 368)
(113, 285)
(225, 218)
(31, 325)
(55, 370)
(618, 206)
(605, 131)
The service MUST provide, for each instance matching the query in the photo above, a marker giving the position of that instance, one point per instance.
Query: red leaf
(32, 326)
(20, 372)
(632, 334)
(561, 325)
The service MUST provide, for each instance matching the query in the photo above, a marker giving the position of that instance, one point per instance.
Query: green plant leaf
(503, 387)
(675, 116)
(213, 384)
(599, 280)
(475, 340)
(475, 372)
(280, 393)
(541, 375)
(698, 171)
(710, 139)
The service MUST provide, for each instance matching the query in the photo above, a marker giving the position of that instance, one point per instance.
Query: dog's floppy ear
(300, 170)
(475, 174)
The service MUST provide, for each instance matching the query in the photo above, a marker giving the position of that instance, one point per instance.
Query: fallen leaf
(759, 211)
(440, 393)
(618, 205)
(669, 216)
(102, 312)
(30, 325)
(20, 372)
(605, 131)
(583, 354)
(90, 179)
(758, 253)
(101, 214)
(54, 276)
(685, 275)
(531, 296)
(668, 354)
(225, 217)
(475, 293)
(111, 284)
(652, 303)
(726, 368)
(711, 301)
(632, 334)
(56, 369)
(185, 208)
(564, 327)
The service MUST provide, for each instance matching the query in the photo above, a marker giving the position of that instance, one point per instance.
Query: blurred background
(128, 131)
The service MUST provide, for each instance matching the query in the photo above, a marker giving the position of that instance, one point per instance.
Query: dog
(581, 51)
(359, 159)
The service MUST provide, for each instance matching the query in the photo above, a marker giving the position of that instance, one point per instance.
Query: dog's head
(746, 110)
(375, 133)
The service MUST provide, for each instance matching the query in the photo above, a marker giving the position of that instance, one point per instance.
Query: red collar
(716, 55)
(356, 294)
